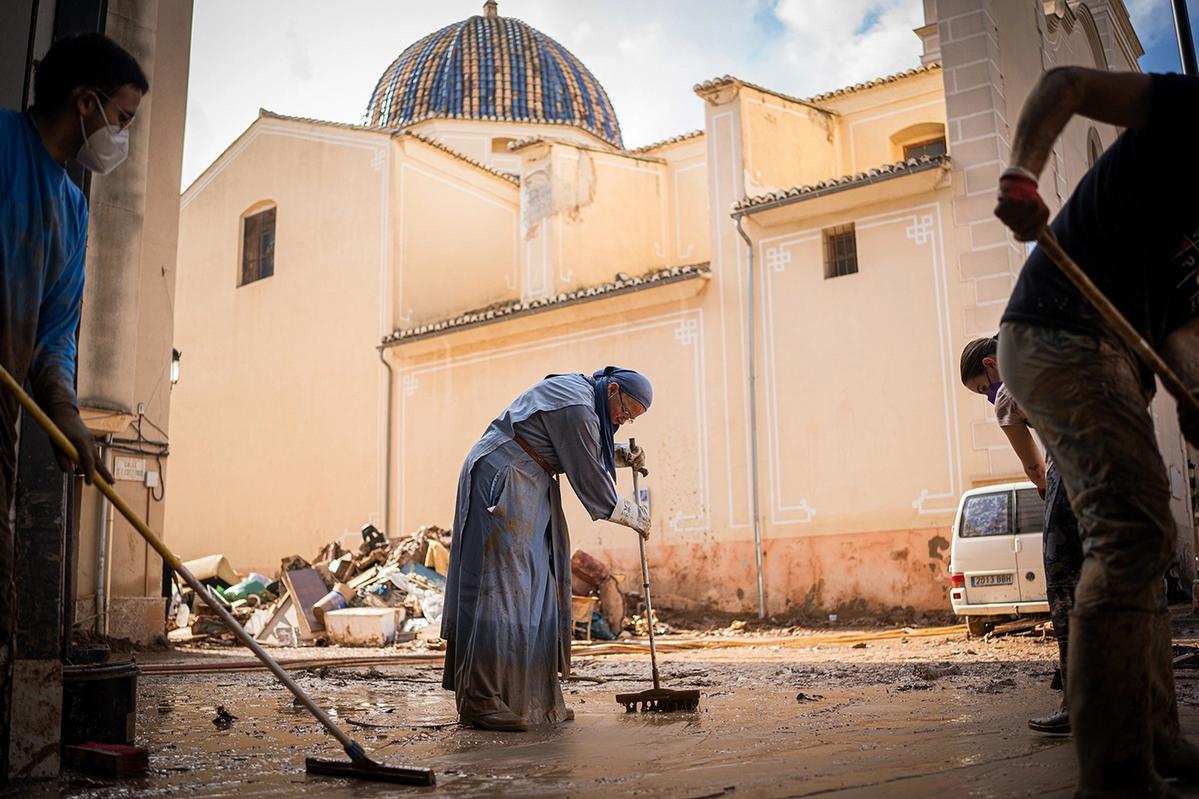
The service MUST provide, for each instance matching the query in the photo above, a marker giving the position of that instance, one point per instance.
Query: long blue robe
(507, 618)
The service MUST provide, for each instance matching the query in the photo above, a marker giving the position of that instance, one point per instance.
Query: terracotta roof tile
(691, 134)
(438, 145)
(729, 80)
(262, 112)
(623, 284)
(885, 172)
(870, 84)
(726, 80)
(529, 141)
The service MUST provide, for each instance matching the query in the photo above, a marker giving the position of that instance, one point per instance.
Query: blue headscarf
(636, 386)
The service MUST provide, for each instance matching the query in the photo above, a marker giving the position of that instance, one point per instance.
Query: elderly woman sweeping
(507, 620)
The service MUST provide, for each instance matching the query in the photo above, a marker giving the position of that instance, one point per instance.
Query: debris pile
(384, 592)
(639, 625)
(599, 605)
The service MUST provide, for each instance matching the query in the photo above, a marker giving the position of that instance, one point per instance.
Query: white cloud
(320, 59)
(824, 42)
(1151, 18)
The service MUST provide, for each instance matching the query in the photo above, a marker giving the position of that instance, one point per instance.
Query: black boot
(1109, 695)
(1173, 754)
(1056, 723)
(499, 720)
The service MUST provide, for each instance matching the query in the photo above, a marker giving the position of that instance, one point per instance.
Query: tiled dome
(492, 67)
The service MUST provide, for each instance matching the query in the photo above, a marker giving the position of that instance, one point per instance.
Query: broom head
(659, 700)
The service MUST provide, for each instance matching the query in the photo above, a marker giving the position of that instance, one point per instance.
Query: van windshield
(986, 514)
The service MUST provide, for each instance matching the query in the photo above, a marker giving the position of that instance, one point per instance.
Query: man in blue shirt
(86, 92)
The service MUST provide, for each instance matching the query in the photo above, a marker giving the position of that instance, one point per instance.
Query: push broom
(656, 699)
(360, 766)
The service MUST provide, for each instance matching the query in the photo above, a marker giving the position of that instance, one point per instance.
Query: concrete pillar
(978, 131)
(128, 325)
(108, 336)
(929, 34)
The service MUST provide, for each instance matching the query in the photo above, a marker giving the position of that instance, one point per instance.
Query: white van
(995, 561)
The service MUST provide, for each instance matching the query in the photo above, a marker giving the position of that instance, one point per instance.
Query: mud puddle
(821, 722)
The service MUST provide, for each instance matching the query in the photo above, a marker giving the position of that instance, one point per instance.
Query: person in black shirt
(1132, 224)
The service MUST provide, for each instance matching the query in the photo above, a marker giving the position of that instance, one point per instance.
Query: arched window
(932, 147)
(923, 138)
(257, 243)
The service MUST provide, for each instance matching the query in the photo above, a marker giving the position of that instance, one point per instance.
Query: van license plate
(984, 580)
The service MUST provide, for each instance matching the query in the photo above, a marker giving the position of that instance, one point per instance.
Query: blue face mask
(992, 390)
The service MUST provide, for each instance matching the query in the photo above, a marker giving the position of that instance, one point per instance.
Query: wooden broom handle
(1116, 321)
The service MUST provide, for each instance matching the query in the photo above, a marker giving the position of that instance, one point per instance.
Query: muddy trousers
(1085, 397)
(1063, 560)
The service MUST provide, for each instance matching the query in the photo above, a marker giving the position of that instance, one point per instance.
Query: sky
(321, 59)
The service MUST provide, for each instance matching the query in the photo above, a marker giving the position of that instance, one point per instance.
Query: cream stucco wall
(486, 142)
(440, 268)
(687, 188)
(279, 407)
(875, 124)
(786, 143)
(587, 215)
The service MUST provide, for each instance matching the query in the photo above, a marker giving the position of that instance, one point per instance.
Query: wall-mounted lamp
(175, 356)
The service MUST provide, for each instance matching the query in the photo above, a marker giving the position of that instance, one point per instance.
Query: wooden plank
(306, 588)
(364, 578)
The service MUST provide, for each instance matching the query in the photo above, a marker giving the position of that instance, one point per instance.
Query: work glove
(66, 416)
(631, 514)
(1020, 206)
(630, 459)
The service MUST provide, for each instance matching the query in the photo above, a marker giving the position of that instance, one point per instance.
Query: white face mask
(104, 150)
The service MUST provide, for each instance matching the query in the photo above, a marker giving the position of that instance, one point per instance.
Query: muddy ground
(781, 715)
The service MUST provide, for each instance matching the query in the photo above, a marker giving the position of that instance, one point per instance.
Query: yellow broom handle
(64, 444)
(352, 747)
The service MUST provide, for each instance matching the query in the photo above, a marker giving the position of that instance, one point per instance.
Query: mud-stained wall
(840, 460)
(850, 574)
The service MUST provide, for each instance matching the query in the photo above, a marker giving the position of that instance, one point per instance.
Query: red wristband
(1019, 188)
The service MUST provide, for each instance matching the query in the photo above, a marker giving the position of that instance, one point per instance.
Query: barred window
(1030, 511)
(840, 251)
(257, 246)
(931, 148)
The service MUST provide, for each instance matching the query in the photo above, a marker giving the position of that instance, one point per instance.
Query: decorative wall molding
(922, 225)
(681, 520)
